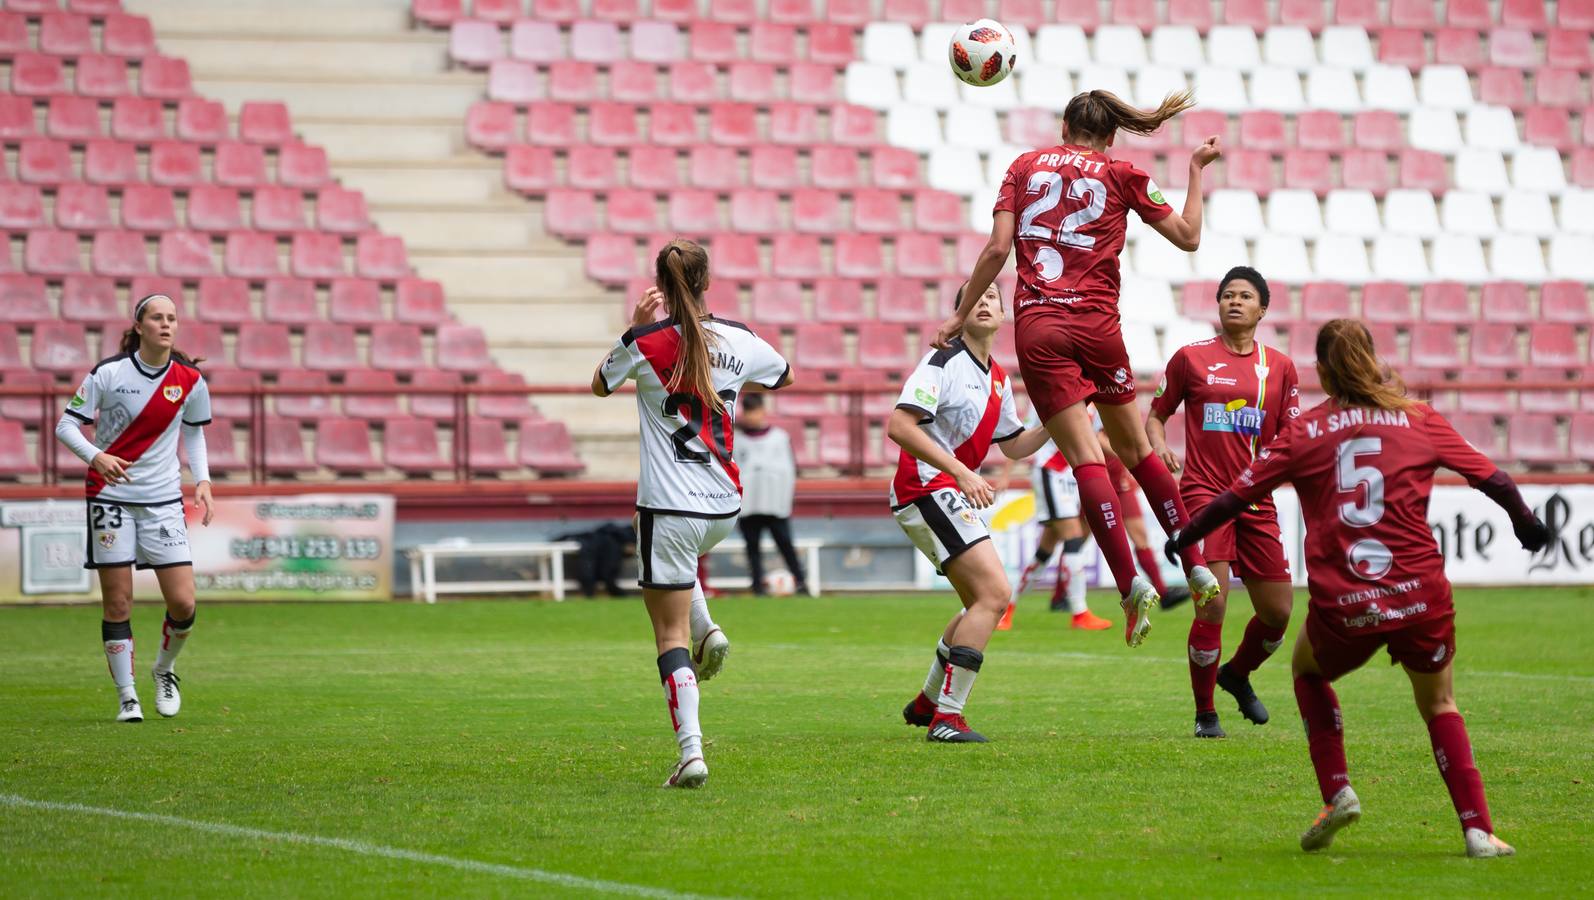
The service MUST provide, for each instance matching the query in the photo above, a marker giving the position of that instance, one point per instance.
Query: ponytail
(682, 271)
(1351, 371)
(1101, 114)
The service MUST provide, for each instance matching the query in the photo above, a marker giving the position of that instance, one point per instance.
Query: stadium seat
(775, 168)
(21, 207)
(1495, 346)
(302, 166)
(794, 256)
(1568, 49)
(176, 164)
(1460, 47)
(1564, 301)
(316, 401)
(504, 406)
(530, 169)
(128, 36)
(408, 445)
(1552, 345)
(778, 302)
(224, 301)
(821, 347)
(545, 448)
(756, 212)
(418, 301)
(38, 75)
(60, 348)
(264, 347)
(344, 446)
(475, 43)
(1582, 436)
(839, 301)
(1548, 127)
(75, 119)
(184, 254)
(1533, 438)
(293, 302)
(397, 348)
(863, 255)
(277, 209)
(15, 460)
(49, 162)
(883, 345)
(489, 448)
(199, 121)
(23, 300)
(462, 348)
(165, 78)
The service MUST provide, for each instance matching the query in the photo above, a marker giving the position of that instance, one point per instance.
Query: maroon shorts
(1067, 357)
(1128, 490)
(1251, 543)
(1426, 646)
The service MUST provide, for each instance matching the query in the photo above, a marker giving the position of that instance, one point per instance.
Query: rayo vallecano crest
(173, 392)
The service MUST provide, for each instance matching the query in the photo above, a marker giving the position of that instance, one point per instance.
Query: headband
(139, 309)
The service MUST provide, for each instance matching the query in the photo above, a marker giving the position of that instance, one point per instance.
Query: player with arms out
(1363, 463)
(689, 369)
(957, 402)
(138, 401)
(1067, 207)
(1238, 394)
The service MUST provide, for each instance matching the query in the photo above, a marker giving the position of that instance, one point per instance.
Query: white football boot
(168, 699)
(1204, 587)
(1137, 606)
(709, 654)
(689, 773)
(1483, 845)
(1344, 809)
(130, 711)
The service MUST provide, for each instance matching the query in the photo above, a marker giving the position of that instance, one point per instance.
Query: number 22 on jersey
(1047, 189)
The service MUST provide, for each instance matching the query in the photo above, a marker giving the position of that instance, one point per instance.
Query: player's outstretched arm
(1503, 490)
(903, 428)
(1023, 446)
(1225, 508)
(986, 268)
(1184, 229)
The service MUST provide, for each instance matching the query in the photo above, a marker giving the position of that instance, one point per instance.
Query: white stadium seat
(1516, 257)
(1341, 257)
(1237, 212)
(1221, 89)
(1412, 212)
(1156, 258)
(1539, 169)
(1219, 253)
(929, 84)
(1459, 257)
(1347, 46)
(1333, 89)
(1468, 212)
(1139, 230)
(973, 126)
(1153, 83)
(1177, 46)
(1003, 95)
(1062, 45)
(890, 44)
(1484, 170)
(1492, 128)
(1577, 211)
(1140, 342)
(1289, 46)
(1284, 257)
(934, 41)
(1045, 87)
(1399, 257)
(1389, 87)
(1097, 77)
(1023, 44)
(1181, 332)
(1277, 89)
(1233, 46)
(1430, 128)
(955, 169)
(1119, 45)
(914, 127)
(1295, 211)
(1527, 212)
(1146, 300)
(997, 161)
(1351, 211)
(1445, 87)
(1572, 257)
(874, 85)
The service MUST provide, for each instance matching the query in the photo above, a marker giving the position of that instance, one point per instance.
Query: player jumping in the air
(138, 401)
(954, 405)
(1068, 207)
(689, 369)
(1238, 394)
(1363, 463)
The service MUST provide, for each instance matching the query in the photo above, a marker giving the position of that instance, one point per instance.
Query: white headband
(139, 309)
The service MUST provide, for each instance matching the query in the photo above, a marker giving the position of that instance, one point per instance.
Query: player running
(1242, 393)
(138, 401)
(954, 405)
(1068, 207)
(1363, 463)
(689, 369)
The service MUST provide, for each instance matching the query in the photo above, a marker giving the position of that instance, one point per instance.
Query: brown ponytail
(1351, 371)
(682, 271)
(129, 345)
(1100, 114)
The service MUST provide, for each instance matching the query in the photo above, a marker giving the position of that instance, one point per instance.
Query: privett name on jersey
(1246, 420)
(1350, 418)
(1058, 160)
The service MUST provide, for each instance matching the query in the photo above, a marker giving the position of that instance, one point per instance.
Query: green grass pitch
(532, 737)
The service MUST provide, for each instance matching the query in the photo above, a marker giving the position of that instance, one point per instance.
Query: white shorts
(668, 545)
(1056, 494)
(150, 537)
(942, 526)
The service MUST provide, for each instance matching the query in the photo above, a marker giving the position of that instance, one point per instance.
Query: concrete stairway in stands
(384, 101)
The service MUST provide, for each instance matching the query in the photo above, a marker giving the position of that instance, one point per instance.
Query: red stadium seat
(900, 300)
(1553, 345)
(594, 167)
(776, 44)
(129, 36)
(419, 301)
(1367, 170)
(74, 119)
(1545, 126)
(1575, 14)
(791, 12)
(1495, 346)
(1477, 428)
(52, 253)
(621, 11)
(284, 447)
(302, 166)
(1532, 438)
(352, 301)
(50, 162)
(877, 211)
(1569, 49)
(264, 347)
(774, 167)
(713, 41)
(240, 165)
(344, 446)
(183, 254)
(1433, 346)
(913, 12)
(1413, 14)
(373, 407)
(939, 212)
(1378, 130)
(1264, 130)
(14, 37)
(1526, 14)
(1564, 301)
(632, 212)
(490, 126)
(840, 301)
(504, 406)
(1506, 301)
(1562, 401)
(278, 209)
(1310, 170)
(798, 256)
(175, 164)
(212, 208)
(165, 78)
(1304, 13)
(883, 345)
(673, 125)
(530, 169)
(489, 448)
(1322, 301)
(1446, 301)
(1503, 87)
(1421, 170)
(408, 445)
(87, 299)
(778, 302)
(263, 122)
(330, 347)
(16, 118)
(64, 34)
(314, 403)
(733, 124)
(893, 167)
(831, 43)
(342, 211)
(21, 207)
(920, 256)
(1512, 48)
(838, 168)
(601, 42)
(317, 256)
(396, 348)
(693, 82)
(545, 447)
(713, 167)
(462, 348)
(573, 82)
(854, 126)
(753, 82)
(612, 258)
(200, 121)
(293, 302)
(1559, 88)
(1459, 47)
(736, 256)
(514, 81)
(812, 83)
(475, 43)
(23, 300)
(15, 460)
(1404, 47)
(221, 447)
(820, 346)
(434, 406)
(87, 207)
(1468, 14)
(860, 256)
(536, 42)
(224, 301)
(381, 256)
(571, 213)
(1582, 167)
(60, 348)
(38, 75)
(815, 211)
(694, 212)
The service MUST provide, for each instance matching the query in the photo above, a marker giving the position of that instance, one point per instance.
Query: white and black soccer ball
(982, 53)
(780, 583)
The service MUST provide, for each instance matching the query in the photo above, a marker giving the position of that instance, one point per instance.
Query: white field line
(520, 873)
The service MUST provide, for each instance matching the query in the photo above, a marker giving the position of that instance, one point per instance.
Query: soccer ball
(780, 583)
(982, 53)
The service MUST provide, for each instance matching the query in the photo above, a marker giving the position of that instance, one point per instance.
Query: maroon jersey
(1234, 405)
(1072, 205)
(1363, 476)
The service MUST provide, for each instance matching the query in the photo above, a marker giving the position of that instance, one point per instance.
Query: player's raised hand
(949, 329)
(1210, 150)
(202, 500)
(112, 468)
(647, 308)
(1534, 534)
(976, 488)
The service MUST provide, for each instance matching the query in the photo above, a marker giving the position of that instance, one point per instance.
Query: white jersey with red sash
(964, 407)
(137, 412)
(688, 466)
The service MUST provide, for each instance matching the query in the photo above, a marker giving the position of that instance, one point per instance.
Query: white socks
(1076, 581)
(118, 638)
(680, 692)
(174, 635)
(937, 676)
(702, 623)
(963, 663)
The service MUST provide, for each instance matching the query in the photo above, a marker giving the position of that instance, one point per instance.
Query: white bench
(549, 557)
